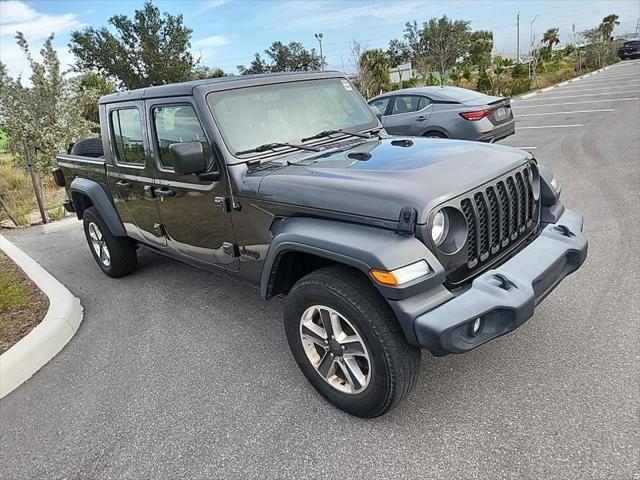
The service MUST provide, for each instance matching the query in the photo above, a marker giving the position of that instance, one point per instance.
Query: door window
(127, 135)
(177, 124)
(381, 104)
(408, 104)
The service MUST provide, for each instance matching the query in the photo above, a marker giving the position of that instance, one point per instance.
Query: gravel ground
(178, 373)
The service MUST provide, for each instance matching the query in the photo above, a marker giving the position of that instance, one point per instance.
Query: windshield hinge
(407, 221)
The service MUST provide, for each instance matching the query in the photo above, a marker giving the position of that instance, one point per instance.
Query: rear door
(408, 115)
(130, 172)
(193, 212)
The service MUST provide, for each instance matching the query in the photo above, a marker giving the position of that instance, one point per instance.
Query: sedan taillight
(476, 114)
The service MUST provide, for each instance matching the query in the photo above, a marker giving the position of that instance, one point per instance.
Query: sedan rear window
(460, 94)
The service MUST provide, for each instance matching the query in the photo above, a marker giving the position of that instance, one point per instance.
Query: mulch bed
(22, 305)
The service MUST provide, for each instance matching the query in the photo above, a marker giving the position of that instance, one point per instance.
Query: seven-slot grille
(499, 215)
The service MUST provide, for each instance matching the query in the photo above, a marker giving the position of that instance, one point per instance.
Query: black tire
(394, 363)
(434, 134)
(88, 147)
(121, 250)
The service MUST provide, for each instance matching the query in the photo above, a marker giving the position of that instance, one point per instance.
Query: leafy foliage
(283, 58)
(480, 47)
(150, 49)
(445, 41)
(374, 72)
(551, 38)
(46, 114)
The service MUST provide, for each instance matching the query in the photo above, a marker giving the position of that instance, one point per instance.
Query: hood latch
(407, 221)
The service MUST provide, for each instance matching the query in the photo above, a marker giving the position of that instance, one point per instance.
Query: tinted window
(409, 103)
(127, 135)
(381, 104)
(177, 124)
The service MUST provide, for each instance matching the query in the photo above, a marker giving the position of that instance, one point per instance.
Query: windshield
(288, 112)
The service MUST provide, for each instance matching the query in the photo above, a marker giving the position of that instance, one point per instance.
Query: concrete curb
(561, 84)
(44, 342)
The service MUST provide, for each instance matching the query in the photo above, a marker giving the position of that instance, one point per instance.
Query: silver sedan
(445, 112)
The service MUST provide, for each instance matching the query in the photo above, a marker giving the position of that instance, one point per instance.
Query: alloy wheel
(99, 245)
(335, 349)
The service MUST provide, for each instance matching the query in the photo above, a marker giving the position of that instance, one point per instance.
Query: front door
(131, 171)
(193, 212)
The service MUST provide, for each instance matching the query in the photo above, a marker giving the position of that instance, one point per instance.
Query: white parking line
(564, 113)
(589, 85)
(590, 89)
(576, 103)
(583, 95)
(552, 126)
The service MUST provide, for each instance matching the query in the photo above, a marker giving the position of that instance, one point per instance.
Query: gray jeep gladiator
(381, 245)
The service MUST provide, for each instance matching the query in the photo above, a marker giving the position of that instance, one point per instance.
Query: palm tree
(551, 38)
(374, 72)
(606, 27)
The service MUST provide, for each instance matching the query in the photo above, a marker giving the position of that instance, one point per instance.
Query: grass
(17, 192)
(22, 305)
(13, 294)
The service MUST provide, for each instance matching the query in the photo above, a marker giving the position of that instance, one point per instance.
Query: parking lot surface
(178, 373)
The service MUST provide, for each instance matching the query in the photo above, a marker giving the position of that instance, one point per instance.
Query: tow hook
(564, 230)
(505, 283)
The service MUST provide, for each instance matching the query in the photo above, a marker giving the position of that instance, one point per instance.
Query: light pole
(531, 34)
(532, 59)
(319, 37)
(518, 38)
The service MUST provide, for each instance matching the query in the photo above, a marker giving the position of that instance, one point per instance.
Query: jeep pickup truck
(381, 245)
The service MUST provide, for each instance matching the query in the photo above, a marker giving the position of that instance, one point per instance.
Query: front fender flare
(99, 198)
(358, 246)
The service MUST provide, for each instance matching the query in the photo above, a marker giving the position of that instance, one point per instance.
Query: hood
(378, 178)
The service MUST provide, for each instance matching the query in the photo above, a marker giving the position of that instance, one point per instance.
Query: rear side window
(127, 135)
(406, 104)
(381, 104)
(177, 124)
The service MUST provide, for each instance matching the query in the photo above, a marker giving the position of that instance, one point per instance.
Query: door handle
(164, 192)
(421, 118)
(123, 184)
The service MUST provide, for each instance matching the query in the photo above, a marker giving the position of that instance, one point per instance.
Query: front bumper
(505, 298)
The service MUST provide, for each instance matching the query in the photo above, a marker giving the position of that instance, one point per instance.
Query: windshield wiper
(328, 133)
(273, 146)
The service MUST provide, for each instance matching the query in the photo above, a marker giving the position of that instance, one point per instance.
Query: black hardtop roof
(221, 83)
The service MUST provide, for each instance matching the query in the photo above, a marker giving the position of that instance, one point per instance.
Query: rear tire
(88, 147)
(116, 256)
(434, 135)
(376, 367)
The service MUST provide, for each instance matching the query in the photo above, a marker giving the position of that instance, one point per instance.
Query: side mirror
(188, 158)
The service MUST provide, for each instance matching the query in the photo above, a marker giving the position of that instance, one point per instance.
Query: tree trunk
(6, 209)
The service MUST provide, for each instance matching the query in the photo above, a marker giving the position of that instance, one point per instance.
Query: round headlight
(439, 227)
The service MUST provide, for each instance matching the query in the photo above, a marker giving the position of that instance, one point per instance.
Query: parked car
(381, 245)
(630, 49)
(445, 112)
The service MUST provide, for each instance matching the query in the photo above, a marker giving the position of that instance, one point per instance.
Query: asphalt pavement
(179, 373)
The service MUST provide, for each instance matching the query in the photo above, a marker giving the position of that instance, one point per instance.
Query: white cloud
(212, 41)
(337, 16)
(16, 16)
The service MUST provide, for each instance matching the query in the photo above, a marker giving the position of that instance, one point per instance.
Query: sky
(228, 32)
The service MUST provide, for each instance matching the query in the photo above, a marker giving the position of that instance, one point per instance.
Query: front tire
(347, 342)
(116, 256)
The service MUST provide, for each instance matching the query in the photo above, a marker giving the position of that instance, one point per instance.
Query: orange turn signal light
(384, 277)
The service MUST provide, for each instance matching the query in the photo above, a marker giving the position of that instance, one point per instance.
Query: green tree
(150, 49)
(413, 40)
(202, 72)
(398, 52)
(444, 42)
(551, 37)
(46, 113)
(283, 58)
(607, 25)
(89, 87)
(374, 72)
(480, 47)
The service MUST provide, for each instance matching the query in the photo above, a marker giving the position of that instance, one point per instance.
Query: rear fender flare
(101, 200)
